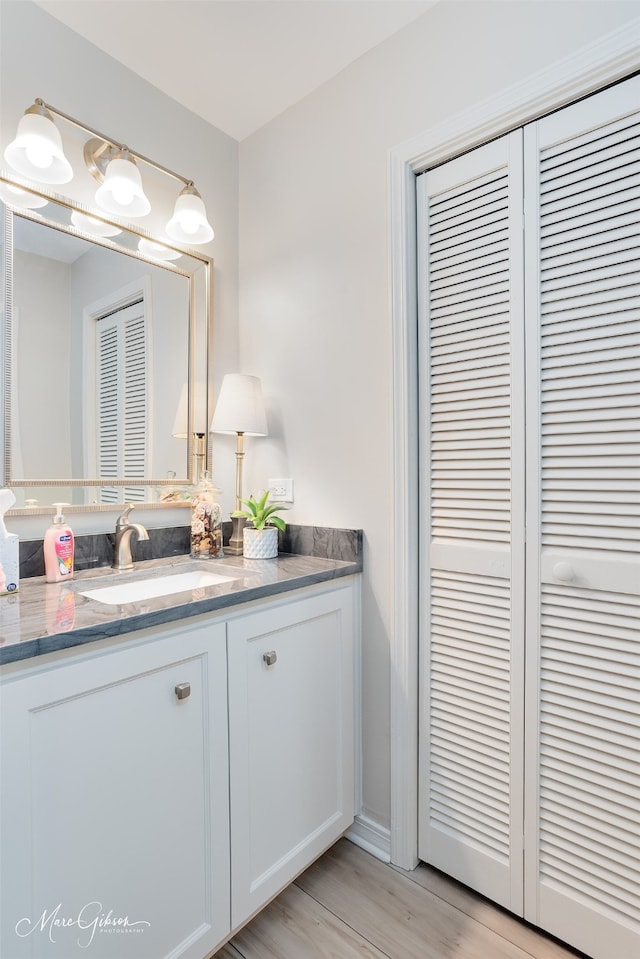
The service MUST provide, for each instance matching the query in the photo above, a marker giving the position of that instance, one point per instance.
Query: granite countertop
(43, 618)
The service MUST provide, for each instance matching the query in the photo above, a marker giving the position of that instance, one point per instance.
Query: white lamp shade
(37, 150)
(189, 221)
(122, 192)
(22, 198)
(180, 423)
(240, 407)
(89, 224)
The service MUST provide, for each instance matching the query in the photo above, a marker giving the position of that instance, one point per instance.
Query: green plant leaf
(261, 513)
(254, 507)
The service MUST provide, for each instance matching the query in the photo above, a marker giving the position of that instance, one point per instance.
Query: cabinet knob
(270, 658)
(183, 690)
(563, 572)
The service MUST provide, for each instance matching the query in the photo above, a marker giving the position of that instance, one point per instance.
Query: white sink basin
(137, 590)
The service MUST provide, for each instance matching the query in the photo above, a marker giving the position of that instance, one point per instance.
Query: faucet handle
(123, 519)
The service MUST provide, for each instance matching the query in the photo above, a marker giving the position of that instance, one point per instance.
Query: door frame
(610, 58)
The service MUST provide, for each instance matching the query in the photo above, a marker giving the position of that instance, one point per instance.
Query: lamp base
(235, 545)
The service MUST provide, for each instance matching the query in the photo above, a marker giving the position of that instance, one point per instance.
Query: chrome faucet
(122, 558)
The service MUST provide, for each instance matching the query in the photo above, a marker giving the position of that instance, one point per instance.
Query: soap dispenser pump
(58, 549)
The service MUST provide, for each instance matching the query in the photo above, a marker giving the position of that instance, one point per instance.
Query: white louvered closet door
(472, 508)
(582, 184)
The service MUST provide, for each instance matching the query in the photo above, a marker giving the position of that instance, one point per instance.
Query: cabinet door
(291, 741)
(115, 804)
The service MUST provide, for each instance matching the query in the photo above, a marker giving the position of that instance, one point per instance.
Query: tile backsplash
(96, 549)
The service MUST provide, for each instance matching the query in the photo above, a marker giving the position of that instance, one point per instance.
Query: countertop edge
(32, 648)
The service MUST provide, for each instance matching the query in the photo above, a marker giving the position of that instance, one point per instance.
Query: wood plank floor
(349, 905)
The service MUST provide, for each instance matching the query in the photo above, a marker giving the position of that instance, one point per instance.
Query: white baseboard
(372, 837)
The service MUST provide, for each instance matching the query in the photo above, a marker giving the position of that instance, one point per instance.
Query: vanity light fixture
(157, 250)
(121, 190)
(239, 410)
(37, 150)
(37, 154)
(16, 196)
(89, 224)
(189, 221)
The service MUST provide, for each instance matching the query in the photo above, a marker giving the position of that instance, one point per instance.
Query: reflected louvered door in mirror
(582, 189)
(123, 424)
(472, 435)
(530, 396)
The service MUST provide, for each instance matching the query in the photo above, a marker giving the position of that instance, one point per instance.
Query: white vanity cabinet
(291, 742)
(159, 789)
(115, 802)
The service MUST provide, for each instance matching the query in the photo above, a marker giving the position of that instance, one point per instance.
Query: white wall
(314, 303)
(40, 57)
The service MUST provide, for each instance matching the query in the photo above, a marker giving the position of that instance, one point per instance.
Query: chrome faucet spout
(122, 555)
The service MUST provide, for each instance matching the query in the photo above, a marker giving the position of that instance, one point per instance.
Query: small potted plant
(260, 538)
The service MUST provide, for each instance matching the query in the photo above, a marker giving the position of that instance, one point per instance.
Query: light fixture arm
(103, 144)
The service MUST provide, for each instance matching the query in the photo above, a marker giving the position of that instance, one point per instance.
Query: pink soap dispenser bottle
(58, 549)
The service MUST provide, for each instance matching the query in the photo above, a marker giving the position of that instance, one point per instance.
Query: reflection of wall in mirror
(49, 371)
(42, 294)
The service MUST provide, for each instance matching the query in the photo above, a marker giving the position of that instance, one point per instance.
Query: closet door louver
(135, 414)
(582, 238)
(472, 431)
(108, 388)
(122, 409)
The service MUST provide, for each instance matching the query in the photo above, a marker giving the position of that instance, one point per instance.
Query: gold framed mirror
(106, 348)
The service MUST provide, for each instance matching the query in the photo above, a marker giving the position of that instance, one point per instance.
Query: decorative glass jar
(206, 521)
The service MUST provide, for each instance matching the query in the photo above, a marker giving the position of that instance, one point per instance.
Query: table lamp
(239, 410)
(198, 426)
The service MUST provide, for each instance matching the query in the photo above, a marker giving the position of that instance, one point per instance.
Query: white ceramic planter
(259, 543)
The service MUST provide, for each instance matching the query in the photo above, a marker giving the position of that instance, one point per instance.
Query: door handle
(270, 658)
(183, 690)
(564, 572)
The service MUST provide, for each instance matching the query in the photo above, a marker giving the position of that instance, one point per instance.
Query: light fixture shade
(180, 422)
(189, 221)
(15, 195)
(37, 150)
(157, 251)
(240, 407)
(122, 193)
(89, 224)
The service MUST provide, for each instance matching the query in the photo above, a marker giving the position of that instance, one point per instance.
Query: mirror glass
(105, 358)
